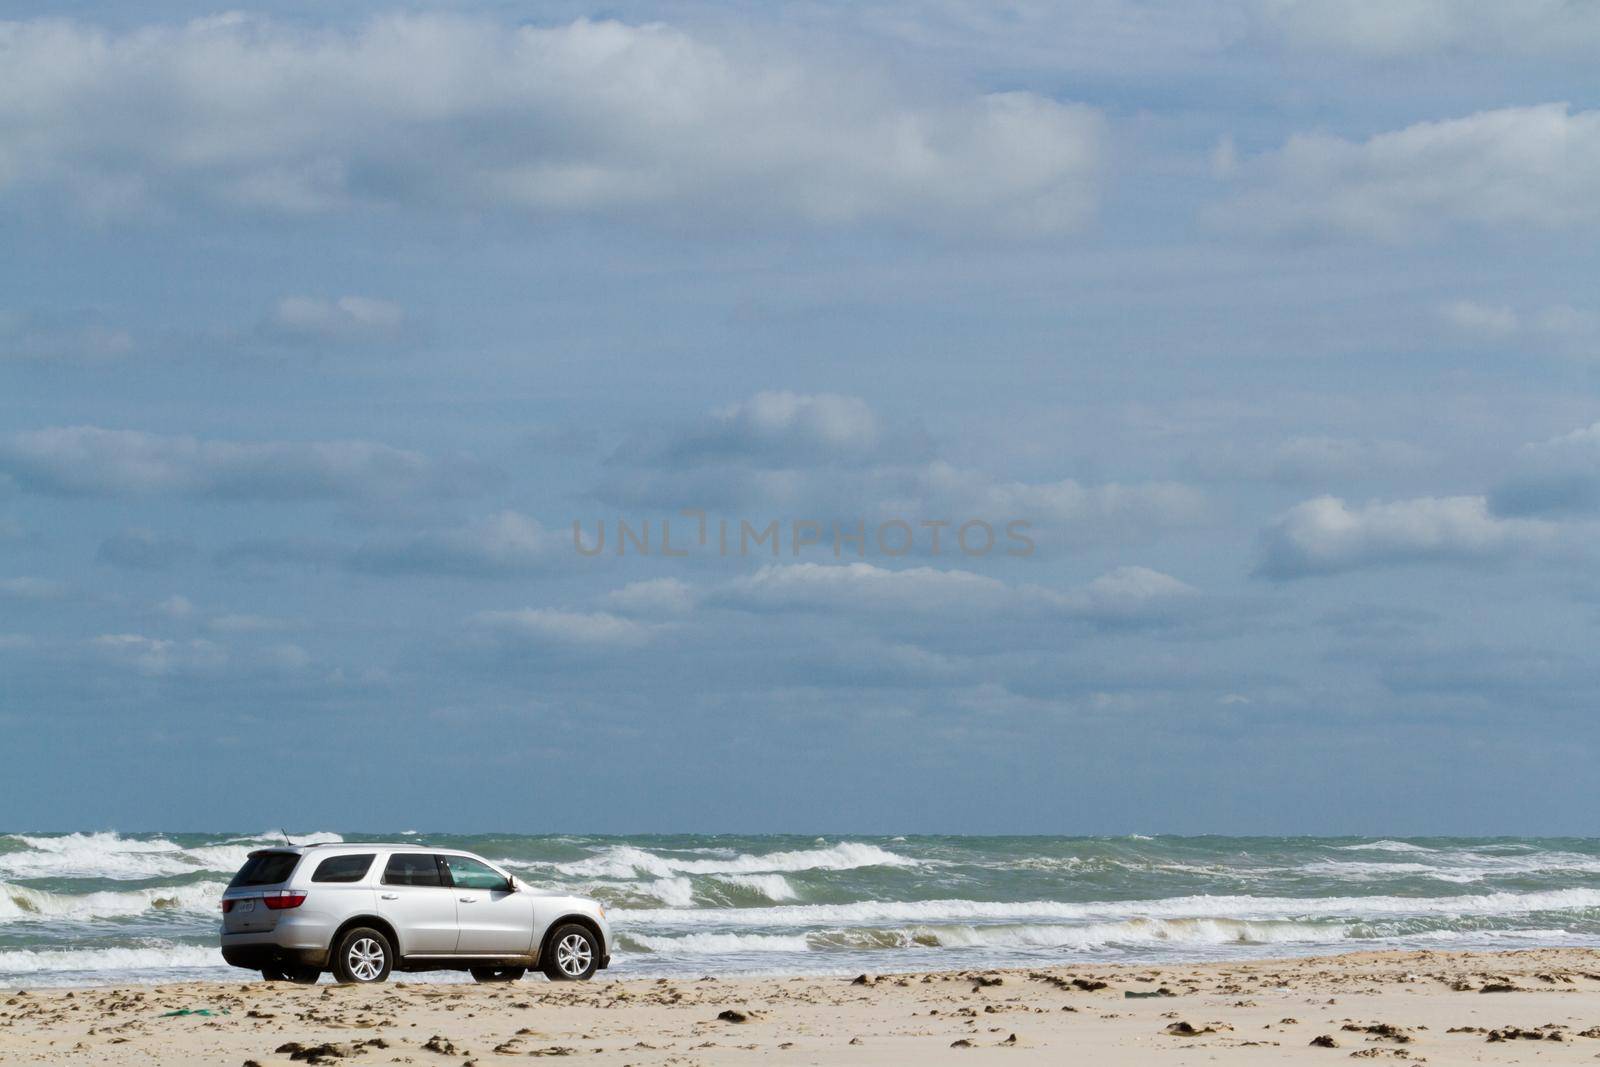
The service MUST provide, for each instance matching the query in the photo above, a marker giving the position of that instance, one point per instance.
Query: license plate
(245, 905)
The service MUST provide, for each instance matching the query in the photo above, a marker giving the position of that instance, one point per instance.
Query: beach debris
(208, 1012)
(1380, 1031)
(863, 979)
(733, 1015)
(1517, 1033)
(1183, 1028)
(442, 1045)
(1088, 985)
(961, 1042)
(1324, 1041)
(1140, 994)
(1500, 987)
(983, 980)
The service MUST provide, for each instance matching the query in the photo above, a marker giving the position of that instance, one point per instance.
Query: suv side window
(470, 874)
(343, 868)
(412, 868)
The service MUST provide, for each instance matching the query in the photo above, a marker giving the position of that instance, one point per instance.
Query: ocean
(108, 908)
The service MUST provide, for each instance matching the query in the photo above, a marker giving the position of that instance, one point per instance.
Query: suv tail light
(284, 898)
(227, 906)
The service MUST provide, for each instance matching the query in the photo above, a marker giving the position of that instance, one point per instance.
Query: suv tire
(362, 956)
(573, 956)
(498, 974)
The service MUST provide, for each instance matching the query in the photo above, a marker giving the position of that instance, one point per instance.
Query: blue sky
(1275, 320)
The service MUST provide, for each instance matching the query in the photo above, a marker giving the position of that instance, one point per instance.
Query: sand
(1537, 1006)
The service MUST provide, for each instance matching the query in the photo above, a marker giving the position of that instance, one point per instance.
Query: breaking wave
(1194, 907)
(110, 855)
(628, 861)
(21, 904)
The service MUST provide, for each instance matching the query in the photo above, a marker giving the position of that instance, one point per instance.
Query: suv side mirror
(511, 885)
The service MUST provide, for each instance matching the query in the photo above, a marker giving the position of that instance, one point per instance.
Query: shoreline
(1527, 1005)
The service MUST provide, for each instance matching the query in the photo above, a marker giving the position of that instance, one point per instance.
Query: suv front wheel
(574, 954)
(363, 955)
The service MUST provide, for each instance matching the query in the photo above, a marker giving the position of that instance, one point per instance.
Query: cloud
(1122, 596)
(654, 597)
(91, 461)
(1480, 320)
(345, 320)
(829, 457)
(138, 549)
(501, 544)
(1516, 168)
(241, 113)
(1559, 477)
(1574, 331)
(1392, 28)
(773, 430)
(237, 623)
(1327, 536)
(156, 657)
(33, 589)
(32, 335)
(548, 627)
(1312, 459)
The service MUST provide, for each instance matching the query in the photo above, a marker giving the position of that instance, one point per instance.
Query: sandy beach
(1536, 1006)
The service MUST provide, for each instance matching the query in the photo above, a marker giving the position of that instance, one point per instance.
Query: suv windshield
(265, 868)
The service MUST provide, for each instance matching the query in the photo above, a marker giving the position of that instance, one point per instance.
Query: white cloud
(501, 544)
(89, 460)
(1066, 503)
(345, 320)
(33, 336)
(458, 113)
(1328, 536)
(31, 589)
(654, 597)
(1391, 28)
(156, 657)
(1560, 476)
(1490, 321)
(1560, 327)
(239, 623)
(1513, 168)
(831, 457)
(1124, 595)
(175, 607)
(548, 626)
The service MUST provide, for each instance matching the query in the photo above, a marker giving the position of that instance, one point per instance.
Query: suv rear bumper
(259, 956)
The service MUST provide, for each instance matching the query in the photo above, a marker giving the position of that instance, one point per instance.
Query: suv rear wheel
(363, 955)
(498, 974)
(573, 956)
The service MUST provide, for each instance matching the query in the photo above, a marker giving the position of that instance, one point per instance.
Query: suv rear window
(266, 868)
(412, 868)
(343, 868)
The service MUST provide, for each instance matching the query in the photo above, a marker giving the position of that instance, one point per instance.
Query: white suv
(362, 910)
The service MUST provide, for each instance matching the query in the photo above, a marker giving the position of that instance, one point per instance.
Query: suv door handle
(468, 900)
(388, 896)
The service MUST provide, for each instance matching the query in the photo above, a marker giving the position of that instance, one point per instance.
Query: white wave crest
(628, 861)
(1383, 846)
(155, 957)
(772, 886)
(1243, 908)
(110, 855)
(721, 944)
(676, 892)
(20, 903)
